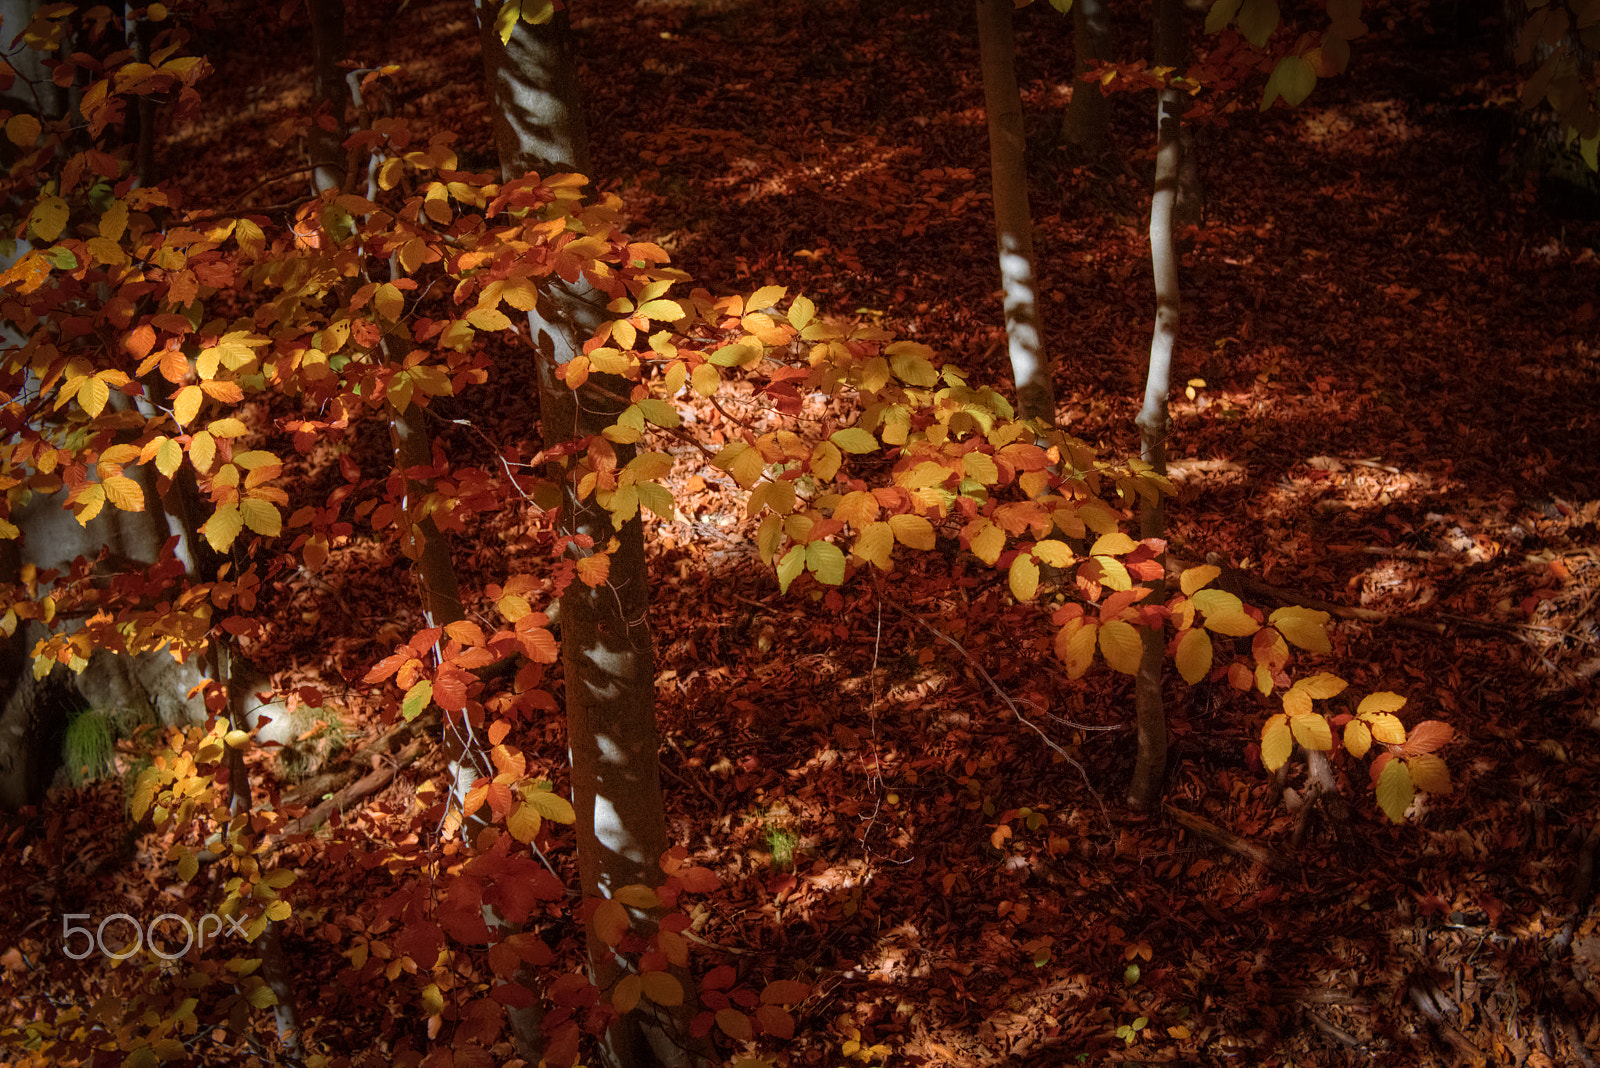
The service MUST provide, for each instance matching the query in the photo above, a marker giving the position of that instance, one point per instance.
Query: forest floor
(1398, 380)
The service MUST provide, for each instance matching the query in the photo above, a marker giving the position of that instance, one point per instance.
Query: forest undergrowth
(1392, 379)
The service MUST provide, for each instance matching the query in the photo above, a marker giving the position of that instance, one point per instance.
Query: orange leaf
(1427, 736)
(610, 922)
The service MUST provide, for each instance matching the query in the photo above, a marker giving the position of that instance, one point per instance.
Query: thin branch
(1009, 703)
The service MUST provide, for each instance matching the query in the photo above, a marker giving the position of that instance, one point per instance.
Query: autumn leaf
(1277, 742)
(1075, 645)
(1194, 655)
(1427, 736)
(1357, 738)
(610, 921)
(1383, 701)
(1395, 790)
(1121, 646)
(1429, 772)
(1312, 731)
(1196, 578)
(1305, 627)
(1023, 577)
(854, 440)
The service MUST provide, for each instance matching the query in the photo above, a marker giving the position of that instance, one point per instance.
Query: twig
(1012, 705)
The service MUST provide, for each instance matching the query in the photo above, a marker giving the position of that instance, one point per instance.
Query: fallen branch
(1231, 842)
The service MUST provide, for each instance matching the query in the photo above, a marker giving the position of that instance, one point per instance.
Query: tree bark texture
(1151, 763)
(1013, 223)
(607, 651)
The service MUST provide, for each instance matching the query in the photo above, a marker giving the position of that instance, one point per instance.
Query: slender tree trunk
(1013, 223)
(1086, 124)
(607, 651)
(328, 95)
(1151, 763)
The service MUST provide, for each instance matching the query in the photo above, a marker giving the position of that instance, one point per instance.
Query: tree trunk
(607, 651)
(328, 96)
(1086, 125)
(1036, 398)
(1151, 763)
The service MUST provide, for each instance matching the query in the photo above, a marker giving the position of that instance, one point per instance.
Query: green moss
(86, 748)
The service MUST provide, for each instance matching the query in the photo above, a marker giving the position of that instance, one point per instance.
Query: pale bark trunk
(607, 651)
(1151, 762)
(1013, 223)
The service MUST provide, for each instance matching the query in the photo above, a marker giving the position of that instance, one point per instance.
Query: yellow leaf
(1395, 791)
(593, 570)
(637, 896)
(1385, 728)
(735, 1024)
(390, 302)
(742, 462)
(826, 561)
(551, 806)
(1382, 701)
(186, 405)
(1053, 552)
(981, 468)
(1357, 738)
(93, 395)
(223, 527)
(1305, 627)
(801, 312)
(765, 297)
(858, 508)
(1217, 602)
(706, 380)
(1277, 742)
(912, 531)
(1194, 655)
(168, 457)
(1322, 686)
(202, 450)
(1122, 646)
(49, 217)
(855, 440)
(876, 544)
(1312, 731)
(1113, 575)
(1075, 645)
(1234, 624)
(524, 822)
(89, 502)
(261, 516)
(1428, 772)
(987, 541)
(825, 461)
(114, 221)
(668, 311)
(488, 319)
(124, 493)
(1024, 577)
(1114, 544)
